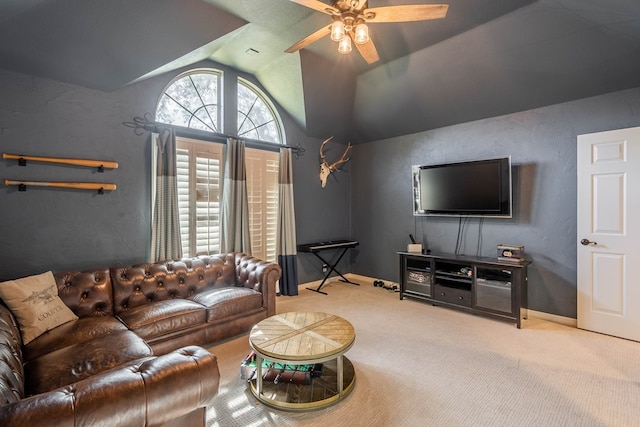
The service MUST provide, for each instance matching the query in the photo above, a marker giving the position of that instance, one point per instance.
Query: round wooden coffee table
(299, 338)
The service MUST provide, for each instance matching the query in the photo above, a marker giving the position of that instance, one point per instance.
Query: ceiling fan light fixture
(362, 33)
(350, 18)
(344, 46)
(337, 31)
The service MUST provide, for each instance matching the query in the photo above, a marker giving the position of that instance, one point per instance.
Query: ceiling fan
(350, 19)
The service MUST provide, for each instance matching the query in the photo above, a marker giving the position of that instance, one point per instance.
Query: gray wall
(321, 213)
(542, 144)
(67, 229)
(370, 200)
(52, 229)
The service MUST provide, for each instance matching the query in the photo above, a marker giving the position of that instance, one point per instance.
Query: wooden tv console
(480, 285)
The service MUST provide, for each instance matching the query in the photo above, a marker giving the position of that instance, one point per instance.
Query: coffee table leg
(340, 375)
(259, 374)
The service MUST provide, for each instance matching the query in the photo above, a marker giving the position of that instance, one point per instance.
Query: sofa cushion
(35, 303)
(79, 361)
(228, 302)
(163, 317)
(70, 333)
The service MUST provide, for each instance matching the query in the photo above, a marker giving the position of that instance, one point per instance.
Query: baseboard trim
(360, 278)
(353, 277)
(567, 321)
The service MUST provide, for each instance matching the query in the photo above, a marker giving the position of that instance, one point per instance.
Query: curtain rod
(145, 124)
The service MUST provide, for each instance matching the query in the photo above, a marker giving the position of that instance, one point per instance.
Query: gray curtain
(165, 231)
(234, 221)
(286, 246)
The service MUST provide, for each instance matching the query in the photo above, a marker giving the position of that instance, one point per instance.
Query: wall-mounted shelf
(100, 164)
(97, 186)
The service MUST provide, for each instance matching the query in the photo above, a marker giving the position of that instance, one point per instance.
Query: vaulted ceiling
(486, 58)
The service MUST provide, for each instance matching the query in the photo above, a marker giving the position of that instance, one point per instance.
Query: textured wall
(370, 201)
(321, 213)
(542, 144)
(58, 229)
(43, 229)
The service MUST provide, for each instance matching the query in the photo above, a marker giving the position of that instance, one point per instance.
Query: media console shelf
(480, 285)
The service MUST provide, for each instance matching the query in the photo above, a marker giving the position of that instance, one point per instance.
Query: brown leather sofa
(132, 356)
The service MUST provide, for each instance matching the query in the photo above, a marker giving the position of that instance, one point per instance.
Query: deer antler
(326, 168)
(343, 159)
(324, 160)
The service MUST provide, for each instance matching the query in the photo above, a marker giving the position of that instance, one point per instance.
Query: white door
(608, 238)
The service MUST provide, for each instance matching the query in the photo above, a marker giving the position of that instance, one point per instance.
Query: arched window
(194, 100)
(257, 118)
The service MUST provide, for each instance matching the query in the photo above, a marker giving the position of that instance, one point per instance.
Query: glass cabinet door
(418, 276)
(494, 289)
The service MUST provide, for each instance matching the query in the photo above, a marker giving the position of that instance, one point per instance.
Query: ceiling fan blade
(324, 31)
(368, 51)
(406, 13)
(319, 6)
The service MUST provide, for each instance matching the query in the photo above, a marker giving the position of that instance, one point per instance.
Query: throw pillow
(35, 303)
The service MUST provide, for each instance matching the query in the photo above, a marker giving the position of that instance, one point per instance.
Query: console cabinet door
(494, 289)
(418, 279)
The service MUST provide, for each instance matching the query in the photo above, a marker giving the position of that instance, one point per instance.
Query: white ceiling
(486, 58)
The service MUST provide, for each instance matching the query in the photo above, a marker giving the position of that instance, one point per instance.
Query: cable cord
(459, 236)
(479, 246)
(462, 224)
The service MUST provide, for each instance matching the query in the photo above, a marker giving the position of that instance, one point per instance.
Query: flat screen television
(472, 188)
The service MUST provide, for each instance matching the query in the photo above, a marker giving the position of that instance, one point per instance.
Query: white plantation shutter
(199, 186)
(182, 178)
(262, 189)
(199, 180)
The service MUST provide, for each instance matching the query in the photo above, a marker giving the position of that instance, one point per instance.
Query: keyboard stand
(315, 248)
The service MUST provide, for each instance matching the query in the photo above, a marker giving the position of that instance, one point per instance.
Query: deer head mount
(326, 168)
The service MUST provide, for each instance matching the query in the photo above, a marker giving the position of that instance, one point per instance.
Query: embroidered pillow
(35, 303)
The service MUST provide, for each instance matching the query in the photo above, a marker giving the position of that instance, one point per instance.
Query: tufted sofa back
(11, 371)
(139, 284)
(86, 293)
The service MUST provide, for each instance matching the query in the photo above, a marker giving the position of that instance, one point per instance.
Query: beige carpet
(419, 365)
